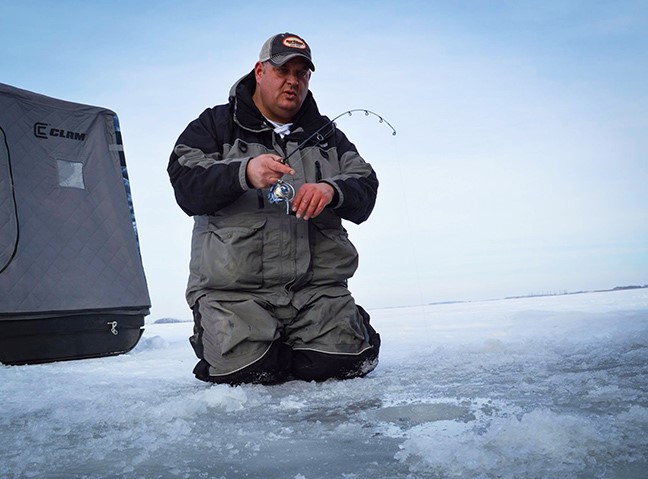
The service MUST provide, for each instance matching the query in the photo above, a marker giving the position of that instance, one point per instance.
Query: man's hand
(311, 199)
(265, 170)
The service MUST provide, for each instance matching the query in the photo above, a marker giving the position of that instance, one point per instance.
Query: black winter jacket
(224, 135)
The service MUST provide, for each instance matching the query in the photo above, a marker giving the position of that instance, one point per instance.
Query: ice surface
(520, 388)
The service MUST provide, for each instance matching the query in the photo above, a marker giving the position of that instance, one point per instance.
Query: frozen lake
(541, 387)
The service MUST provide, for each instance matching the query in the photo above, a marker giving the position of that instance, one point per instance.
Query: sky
(520, 162)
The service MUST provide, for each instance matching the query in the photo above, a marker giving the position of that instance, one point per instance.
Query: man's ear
(258, 70)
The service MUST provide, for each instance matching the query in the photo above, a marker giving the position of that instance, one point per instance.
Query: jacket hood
(247, 115)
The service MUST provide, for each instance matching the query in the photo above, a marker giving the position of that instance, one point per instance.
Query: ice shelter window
(70, 174)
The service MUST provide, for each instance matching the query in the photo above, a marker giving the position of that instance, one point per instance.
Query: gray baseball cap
(280, 48)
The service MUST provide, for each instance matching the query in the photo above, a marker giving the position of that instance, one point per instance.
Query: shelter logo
(44, 131)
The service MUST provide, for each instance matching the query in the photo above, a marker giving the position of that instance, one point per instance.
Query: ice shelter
(72, 283)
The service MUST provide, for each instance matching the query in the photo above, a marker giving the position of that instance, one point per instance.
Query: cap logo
(294, 42)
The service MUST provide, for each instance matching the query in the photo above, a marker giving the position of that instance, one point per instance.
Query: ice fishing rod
(320, 138)
(284, 192)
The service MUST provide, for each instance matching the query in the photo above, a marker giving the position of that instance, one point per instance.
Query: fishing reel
(281, 192)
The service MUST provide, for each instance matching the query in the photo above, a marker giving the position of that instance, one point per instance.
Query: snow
(540, 387)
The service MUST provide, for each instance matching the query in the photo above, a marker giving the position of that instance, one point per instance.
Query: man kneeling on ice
(270, 258)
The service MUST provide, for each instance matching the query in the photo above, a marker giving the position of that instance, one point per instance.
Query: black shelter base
(43, 340)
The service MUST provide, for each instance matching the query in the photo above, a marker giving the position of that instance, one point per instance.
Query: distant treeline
(630, 287)
(561, 293)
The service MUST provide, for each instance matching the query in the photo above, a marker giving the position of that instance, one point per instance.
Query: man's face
(280, 91)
